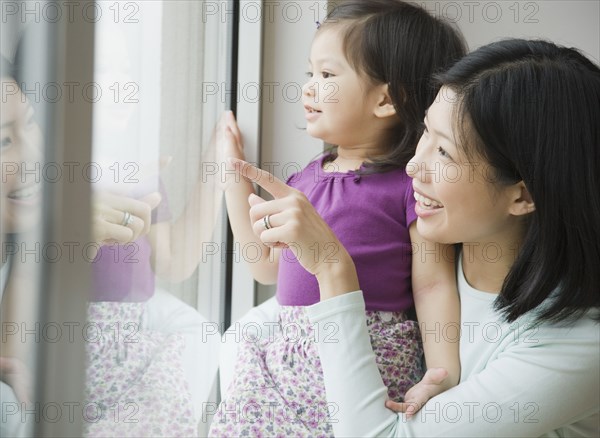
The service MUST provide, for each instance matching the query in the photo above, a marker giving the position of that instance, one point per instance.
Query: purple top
(124, 272)
(370, 215)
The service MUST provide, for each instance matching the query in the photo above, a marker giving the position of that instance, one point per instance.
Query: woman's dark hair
(534, 108)
(396, 43)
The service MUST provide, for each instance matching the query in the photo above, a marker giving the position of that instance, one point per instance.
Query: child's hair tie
(318, 24)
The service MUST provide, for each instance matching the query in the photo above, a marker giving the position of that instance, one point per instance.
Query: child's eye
(443, 152)
(309, 74)
(327, 75)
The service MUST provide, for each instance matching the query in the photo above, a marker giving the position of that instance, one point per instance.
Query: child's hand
(430, 386)
(228, 145)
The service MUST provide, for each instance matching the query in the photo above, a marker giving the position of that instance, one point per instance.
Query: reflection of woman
(145, 362)
(20, 146)
(518, 122)
(20, 140)
(126, 375)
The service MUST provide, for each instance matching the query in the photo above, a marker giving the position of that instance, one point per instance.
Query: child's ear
(384, 107)
(522, 202)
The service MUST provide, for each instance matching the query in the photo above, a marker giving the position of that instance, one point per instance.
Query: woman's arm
(529, 389)
(364, 398)
(537, 380)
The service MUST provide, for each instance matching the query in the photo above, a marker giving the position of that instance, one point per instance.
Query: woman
(508, 167)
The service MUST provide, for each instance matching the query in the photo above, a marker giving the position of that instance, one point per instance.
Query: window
(122, 332)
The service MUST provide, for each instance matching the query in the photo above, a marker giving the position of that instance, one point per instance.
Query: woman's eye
(6, 141)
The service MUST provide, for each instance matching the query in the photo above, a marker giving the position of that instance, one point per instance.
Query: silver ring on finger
(127, 219)
(267, 222)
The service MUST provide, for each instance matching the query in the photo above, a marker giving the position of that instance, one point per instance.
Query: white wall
(288, 33)
(286, 45)
(566, 22)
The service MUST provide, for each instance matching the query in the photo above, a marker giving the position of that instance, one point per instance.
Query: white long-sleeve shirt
(516, 379)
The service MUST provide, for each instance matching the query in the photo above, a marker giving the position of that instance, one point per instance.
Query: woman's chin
(432, 232)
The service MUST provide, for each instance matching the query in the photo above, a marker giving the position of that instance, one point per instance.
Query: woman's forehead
(442, 111)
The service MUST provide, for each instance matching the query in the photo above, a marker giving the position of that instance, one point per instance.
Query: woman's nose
(416, 164)
(412, 168)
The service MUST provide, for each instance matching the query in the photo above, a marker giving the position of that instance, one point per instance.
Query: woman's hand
(228, 145)
(291, 221)
(430, 385)
(121, 219)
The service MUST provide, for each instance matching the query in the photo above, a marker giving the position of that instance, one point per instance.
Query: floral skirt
(135, 384)
(278, 389)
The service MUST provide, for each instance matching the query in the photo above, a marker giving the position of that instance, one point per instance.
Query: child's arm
(438, 311)
(237, 190)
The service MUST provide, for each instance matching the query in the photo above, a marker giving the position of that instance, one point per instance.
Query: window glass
(152, 301)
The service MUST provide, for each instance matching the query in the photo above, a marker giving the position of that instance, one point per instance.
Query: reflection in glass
(150, 353)
(152, 367)
(20, 208)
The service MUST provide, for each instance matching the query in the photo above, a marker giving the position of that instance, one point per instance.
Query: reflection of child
(156, 365)
(127, 365)
(369, 68)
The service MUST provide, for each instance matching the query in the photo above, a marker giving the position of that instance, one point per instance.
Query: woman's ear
(384, 106)
(522, 203)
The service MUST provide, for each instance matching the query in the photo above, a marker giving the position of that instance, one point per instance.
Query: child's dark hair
(396, 43)
(531, 109)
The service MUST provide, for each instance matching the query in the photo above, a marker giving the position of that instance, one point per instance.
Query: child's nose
(308, 89)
